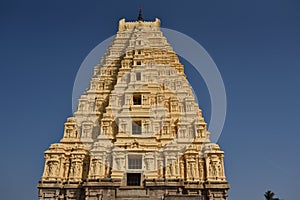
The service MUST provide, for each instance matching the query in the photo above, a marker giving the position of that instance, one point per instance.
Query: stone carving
(201, 170)
(87, 128)
(160, 168)
(128, 100)
(189, 171)
(149, 163)
(76, 170)
(221, 167)
(123, 125)
(145, 100)
(91, 106)
(152, 101)
(182, 133)
(216, 167)
(65, 170)
(191, 133)
(182, 174)
(160, 99)
(169, 116)
(146, 126)
(105, 130)
(213, 168)
(52, 169)
(193, 170)
(118, 163)
(96, 168)
(165, 130)
(93, 86)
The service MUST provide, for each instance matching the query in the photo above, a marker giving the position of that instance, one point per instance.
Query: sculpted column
(197, 169)
(64, 169)
(181, 163)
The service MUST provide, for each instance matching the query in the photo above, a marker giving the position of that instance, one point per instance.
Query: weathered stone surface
(138, 132)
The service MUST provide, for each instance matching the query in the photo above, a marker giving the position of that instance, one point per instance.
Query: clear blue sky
(255, 45)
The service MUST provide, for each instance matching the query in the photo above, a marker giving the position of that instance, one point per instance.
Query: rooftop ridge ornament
(140, 18)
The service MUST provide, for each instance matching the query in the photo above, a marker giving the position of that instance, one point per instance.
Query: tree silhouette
(269, 195)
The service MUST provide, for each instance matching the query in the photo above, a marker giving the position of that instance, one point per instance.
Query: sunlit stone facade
(138, 132)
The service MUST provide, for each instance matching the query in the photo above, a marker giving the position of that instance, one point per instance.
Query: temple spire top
(140, 18)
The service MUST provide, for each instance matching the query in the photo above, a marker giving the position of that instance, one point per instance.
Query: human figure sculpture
(168, 172)
(72, 170)
(213, 168)
(193, 170)
(171, 169)
(77, 170)
(66, 170)
(160, 168)
(219, 170)
(201, 171)
(50, 169)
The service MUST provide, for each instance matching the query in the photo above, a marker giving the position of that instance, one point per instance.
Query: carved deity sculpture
(52, 169)
(169, 170)
(219, 169)
(65, 170)
(160, 168)
(201, 170)
(213, 168)
(95, 168)
(193, 170)
(173, 130)
(77, 170)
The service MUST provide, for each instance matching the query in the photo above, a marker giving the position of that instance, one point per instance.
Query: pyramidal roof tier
(137, 124)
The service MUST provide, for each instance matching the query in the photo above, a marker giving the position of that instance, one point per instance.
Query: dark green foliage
(269, 195)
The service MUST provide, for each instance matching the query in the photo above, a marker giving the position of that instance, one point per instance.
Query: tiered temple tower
(138, 132)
